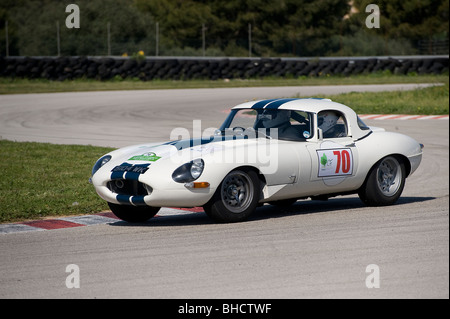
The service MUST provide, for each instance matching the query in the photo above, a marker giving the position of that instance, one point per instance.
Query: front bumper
(176, 197)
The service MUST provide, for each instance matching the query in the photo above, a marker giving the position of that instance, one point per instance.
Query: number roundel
(335, 162)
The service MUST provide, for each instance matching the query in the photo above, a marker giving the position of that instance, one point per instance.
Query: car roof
(313, 105)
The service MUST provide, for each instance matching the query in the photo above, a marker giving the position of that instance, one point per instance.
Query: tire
(385, 182)
(133, 214)
(235, 198)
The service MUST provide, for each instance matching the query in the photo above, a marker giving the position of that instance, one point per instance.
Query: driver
(279, 119)
(327, 122)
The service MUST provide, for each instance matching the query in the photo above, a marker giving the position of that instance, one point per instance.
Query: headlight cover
(189, 172)
(101, 161)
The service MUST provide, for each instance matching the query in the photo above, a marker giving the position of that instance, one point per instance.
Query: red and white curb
(85, 220)
(402, 117)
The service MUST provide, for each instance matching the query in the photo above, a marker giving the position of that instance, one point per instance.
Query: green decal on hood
(149, 157)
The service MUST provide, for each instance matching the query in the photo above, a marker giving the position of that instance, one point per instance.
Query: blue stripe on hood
(135, 175)
(188, 143)
(132, 174)
(183, 144)
(119, 175)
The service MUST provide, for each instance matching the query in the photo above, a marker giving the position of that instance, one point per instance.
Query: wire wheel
(236, 197)
(237, 192)
(385, 182)
(389, 176)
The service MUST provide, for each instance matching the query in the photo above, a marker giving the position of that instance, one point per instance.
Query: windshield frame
(295, 119)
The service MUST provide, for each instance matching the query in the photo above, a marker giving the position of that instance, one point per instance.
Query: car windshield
(271, 123)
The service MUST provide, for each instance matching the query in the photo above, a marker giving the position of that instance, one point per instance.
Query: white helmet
(275, 118)
(327, 120)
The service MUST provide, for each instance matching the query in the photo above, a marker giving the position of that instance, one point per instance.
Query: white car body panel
(288, 169)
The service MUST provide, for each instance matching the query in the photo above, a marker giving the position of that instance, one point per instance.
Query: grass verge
(20, 86)
(41, 180)
(427, 101)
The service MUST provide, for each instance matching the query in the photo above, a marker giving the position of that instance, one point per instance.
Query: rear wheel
(385, 182)
(133, 214)
(236, 197)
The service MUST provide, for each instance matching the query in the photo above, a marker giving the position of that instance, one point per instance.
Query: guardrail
(214, 68)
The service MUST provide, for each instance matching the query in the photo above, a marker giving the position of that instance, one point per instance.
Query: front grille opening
(129, 187)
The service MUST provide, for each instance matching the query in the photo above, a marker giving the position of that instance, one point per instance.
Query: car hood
(153, 153)
(150, 159)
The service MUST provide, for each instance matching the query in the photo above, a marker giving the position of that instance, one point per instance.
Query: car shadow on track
(264, 212)
(319, 206)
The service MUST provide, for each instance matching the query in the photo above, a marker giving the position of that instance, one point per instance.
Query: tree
(413, 19)
(35, 25)
(278, 26)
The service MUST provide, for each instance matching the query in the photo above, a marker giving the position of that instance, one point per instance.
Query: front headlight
(197, 168)
(189, 172)
(101, 161)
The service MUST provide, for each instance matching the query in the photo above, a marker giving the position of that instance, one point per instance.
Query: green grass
(427, 101)
(20, 86)
(41, 180)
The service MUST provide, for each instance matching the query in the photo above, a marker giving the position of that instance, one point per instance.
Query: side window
(301, 121)
(362, 125)
(333, 124)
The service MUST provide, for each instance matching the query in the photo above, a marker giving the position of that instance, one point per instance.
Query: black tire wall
(180, 68)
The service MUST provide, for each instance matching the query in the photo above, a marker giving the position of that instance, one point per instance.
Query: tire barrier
(183, 68)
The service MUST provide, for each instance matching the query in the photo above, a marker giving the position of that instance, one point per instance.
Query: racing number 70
(344, 160)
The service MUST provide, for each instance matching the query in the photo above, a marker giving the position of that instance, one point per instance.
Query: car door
(282, 164)
(334, 157)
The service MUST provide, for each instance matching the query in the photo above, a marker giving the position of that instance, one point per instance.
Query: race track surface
(313, 249)
(122, 118)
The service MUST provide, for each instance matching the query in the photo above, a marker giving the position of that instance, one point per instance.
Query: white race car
(270, 151)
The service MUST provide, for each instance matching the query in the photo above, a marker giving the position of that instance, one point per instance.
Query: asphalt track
(313, 249)
(121, 118)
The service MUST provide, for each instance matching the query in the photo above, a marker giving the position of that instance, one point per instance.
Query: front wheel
(236, 197)
(385, 182)
(133, 214)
